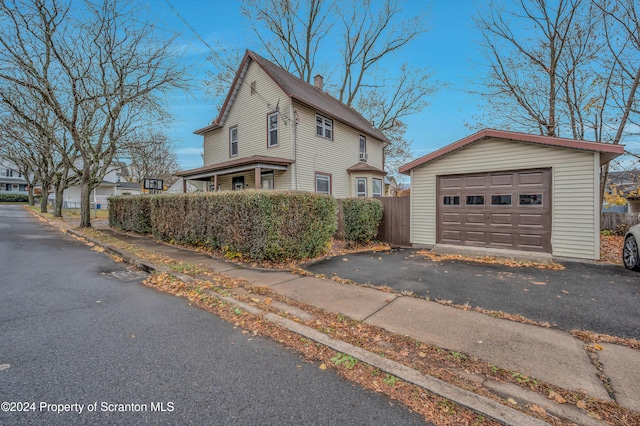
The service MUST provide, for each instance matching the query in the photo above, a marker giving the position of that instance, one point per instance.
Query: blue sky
(447, 49)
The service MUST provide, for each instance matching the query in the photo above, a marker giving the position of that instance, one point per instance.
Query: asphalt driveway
(600, 298)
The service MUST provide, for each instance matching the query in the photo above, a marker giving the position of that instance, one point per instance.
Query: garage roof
(607, 151)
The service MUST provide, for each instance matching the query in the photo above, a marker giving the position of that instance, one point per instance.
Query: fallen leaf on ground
(512, 401)
(322, 366)
(556, 397)
(537, 409)
(581, 405)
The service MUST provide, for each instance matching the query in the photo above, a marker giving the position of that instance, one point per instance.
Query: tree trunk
(30, 195)
(57, 208)
(44, 200)
(85, 205)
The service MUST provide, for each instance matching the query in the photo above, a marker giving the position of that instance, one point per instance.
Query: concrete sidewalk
(550, 355)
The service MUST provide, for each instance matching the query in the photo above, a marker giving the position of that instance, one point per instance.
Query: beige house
(506, 190)
(275, 131)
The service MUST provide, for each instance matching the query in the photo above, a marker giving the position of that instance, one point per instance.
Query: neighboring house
(11, 180)
(192, 186)
(113, 184)
(506, 190)
(275, 131)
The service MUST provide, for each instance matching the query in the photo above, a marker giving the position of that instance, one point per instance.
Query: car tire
(631, 254)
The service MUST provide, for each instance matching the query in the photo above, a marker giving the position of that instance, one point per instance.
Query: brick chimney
(318, 82)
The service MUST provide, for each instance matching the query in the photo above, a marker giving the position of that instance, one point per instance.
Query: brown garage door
(510, 210)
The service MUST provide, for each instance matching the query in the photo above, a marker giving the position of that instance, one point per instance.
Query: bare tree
(149, 155)
(97, 71)
(295, 34)
(622, 29)
(295, 30)
(525, 47)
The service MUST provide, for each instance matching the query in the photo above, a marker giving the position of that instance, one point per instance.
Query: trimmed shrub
(14, 198)
(131, 213)
(257, 225)
(361, 218)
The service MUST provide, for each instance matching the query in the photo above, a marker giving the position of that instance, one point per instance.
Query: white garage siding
(575, 212)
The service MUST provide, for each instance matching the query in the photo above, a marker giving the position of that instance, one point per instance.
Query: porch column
(215, 183)
(258, 177)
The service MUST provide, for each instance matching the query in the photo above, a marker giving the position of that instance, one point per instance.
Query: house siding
(249, 113)
(334, 157)
(574, 189)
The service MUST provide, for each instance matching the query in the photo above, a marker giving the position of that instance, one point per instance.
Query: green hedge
(14, 198)
(131, 213)
(361, 218)
(257, 225)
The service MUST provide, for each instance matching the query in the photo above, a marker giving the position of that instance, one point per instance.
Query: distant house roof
(299, 90)
(607, 151)
(128, 185)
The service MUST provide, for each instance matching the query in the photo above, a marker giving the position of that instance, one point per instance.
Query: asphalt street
(79, 332)
(600, 298)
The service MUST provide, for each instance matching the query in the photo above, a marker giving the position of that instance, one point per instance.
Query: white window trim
(232, 141)
(373, 187)
(326, 177)
(327, 124)
(363, 138)
(361, 194)
(269, 129)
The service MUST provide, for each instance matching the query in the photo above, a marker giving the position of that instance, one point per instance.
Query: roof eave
(607, 151)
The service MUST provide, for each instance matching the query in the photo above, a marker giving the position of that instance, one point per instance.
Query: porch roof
(237, 165)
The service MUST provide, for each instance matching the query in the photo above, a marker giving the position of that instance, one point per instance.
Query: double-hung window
(272, 120)
(363, 145)
(233, 141)
(361, 187)
(324, 127)
(376, 191)
(323, 183)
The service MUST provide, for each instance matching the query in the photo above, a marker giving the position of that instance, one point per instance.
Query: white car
(630, 252)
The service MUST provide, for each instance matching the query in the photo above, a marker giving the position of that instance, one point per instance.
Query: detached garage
(510, 191)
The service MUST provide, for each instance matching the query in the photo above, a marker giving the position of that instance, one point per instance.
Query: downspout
(295, 148)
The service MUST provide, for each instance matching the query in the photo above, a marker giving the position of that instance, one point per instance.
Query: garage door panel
(475, 182)
(475, 237)
(452, 237)
(451, 218)
(491, 211)
(499, 238)
(474, 218)
(502, 219)
(499, 180)
(537, 220)
(531, 241)
(451, 183)
(532, 178)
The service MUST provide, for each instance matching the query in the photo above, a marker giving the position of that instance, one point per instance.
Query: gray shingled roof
(303, 92)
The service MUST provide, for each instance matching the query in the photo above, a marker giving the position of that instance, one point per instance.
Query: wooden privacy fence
(611, 221)
(395, 227)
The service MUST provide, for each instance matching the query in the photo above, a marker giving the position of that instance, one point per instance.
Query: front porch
(259, 172)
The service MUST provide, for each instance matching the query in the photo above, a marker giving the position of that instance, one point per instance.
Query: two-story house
(11, 180)
(276, 131)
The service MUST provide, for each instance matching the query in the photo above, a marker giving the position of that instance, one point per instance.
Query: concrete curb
(470, 400)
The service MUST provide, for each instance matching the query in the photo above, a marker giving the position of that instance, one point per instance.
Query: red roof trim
(610, 151)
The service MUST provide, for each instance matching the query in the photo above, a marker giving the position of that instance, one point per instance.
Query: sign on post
(153, 185)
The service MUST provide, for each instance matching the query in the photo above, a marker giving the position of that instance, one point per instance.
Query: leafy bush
(257, 225)
(14, 198)
(361, 218)
(131, 213)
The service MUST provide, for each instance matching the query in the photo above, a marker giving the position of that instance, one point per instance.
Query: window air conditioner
(363, 156)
